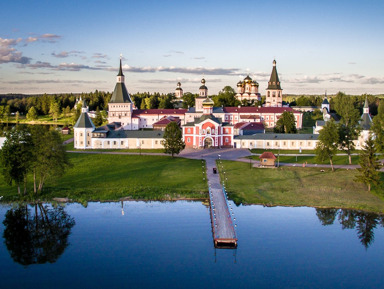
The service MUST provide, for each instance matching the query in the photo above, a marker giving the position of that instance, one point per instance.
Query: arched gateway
(207, 143)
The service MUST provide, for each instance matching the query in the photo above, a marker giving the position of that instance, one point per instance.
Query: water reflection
(36, 234)
(364, 222)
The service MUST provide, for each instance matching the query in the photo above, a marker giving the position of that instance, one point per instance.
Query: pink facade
(208, 133)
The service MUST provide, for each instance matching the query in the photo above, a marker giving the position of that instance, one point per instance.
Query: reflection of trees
(365, 223)
(326, 216)
(37, 236)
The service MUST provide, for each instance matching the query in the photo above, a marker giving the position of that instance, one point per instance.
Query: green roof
(120, 70)
(207, 116)
(366, 121)
(120, 94)
(274, 82)
(135, 134)
(84, 121)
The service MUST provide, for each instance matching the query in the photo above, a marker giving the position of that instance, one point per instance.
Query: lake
(169, 245)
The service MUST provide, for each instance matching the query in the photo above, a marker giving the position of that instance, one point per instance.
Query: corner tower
(83, 129)
(120, 106)
(274, 95)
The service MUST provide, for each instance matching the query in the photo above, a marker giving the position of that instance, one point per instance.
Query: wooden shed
(267, 159)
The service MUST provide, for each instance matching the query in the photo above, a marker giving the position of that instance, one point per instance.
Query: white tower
(83, 129)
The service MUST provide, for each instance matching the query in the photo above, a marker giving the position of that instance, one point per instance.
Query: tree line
(334, 136)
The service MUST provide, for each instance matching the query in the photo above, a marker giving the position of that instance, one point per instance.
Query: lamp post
(250, 158)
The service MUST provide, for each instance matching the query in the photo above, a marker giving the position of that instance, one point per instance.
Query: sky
(75, 46)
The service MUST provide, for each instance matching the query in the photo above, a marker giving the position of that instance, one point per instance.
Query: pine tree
(369, 165)
(378, 127)
(32, 114)
(173, 139)
(98, 120)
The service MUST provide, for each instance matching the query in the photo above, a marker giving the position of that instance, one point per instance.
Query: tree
(188, 100)
(76, 113)
(98, 120)
(166, 101)
(286, 123)
(369, 164)
(54, 110)
(173, 139)
(377, 127)
(32, 114)
(327, 144)
(16, 156)
(50, 158)
(226, 97)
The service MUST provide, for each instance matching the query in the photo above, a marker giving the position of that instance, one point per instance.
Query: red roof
(159, 111)
(267, 155)
(167, 120)
(254, 126)
(239, 124)
(253, 109)
(249, 116)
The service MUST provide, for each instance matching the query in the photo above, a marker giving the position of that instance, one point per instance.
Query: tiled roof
(137, 112)
(267, 155)
(120, 94)
(135, 134)
(253, 109)
(84, 121)
(254, 126)
(278, 136)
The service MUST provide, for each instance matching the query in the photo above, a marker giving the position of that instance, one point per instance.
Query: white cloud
(8, 52)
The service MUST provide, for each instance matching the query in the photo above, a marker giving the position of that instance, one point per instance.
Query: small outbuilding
(66, 130)
(267, 159)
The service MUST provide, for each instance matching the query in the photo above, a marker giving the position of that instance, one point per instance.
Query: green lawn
(337, 160)
(111, 177)
(290, 186)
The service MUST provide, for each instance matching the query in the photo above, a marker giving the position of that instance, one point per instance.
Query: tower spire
(120, 76)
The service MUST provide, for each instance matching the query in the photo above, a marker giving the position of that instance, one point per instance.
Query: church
(203, 125)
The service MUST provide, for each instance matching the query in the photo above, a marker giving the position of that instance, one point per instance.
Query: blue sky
(74, 46)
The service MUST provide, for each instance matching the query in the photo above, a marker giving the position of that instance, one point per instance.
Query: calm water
(169, 245)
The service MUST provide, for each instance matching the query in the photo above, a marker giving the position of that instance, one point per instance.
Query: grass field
(300, 187)
(111, 177)
(337, 160)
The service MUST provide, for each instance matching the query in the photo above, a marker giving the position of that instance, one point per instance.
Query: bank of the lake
(99, 177)
(292, 186)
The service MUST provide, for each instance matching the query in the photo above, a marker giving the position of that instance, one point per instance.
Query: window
(108, 142)
(189, 130)
(213, 131)
(227, 139)
(122, 143)
(81, 134)
(189, 139)
(267, 144)
(264, 160)
(156, 142)
(276, 144)
(142, 142)
(114, 142)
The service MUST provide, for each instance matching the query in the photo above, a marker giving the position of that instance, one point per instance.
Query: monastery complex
(203, 126)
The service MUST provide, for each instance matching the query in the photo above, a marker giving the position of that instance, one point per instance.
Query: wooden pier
(223, 229)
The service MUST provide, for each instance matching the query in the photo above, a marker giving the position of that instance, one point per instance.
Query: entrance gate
(207, 143)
